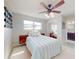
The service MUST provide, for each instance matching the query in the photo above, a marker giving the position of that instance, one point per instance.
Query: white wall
(58, 21)
(71, 26)
(18, 26)
(7, 42)
(67, 19)
(7, 37)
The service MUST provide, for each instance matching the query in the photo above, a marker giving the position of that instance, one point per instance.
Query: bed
(43, 47)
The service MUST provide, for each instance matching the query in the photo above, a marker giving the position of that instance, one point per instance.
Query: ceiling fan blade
(43, 12)
(58, 4)
(44, 5)
(56, 11)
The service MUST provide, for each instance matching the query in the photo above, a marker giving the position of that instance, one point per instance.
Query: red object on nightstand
(22, 39)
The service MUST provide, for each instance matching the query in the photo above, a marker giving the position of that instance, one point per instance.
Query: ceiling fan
(50, 8)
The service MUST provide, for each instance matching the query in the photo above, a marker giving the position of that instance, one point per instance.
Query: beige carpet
(23, 53)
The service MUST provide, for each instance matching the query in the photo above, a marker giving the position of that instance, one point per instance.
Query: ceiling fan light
(51, 14)
(47, 15)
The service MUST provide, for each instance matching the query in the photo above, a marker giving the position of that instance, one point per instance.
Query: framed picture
(7, 19)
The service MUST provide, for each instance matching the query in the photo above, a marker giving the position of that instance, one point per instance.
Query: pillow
(34, 33)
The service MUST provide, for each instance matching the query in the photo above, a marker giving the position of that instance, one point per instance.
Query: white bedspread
(43, 47)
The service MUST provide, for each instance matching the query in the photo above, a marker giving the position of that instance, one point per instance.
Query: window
(30, 25)
(54, 28)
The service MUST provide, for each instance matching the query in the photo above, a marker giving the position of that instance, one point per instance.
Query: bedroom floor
(22, 52)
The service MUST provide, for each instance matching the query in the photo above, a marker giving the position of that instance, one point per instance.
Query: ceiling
(33, 7)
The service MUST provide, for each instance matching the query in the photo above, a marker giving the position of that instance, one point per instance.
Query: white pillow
(34, 33)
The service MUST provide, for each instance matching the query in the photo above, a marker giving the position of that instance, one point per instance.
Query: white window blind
(28, 24)
(31, 25)
(37, 25)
